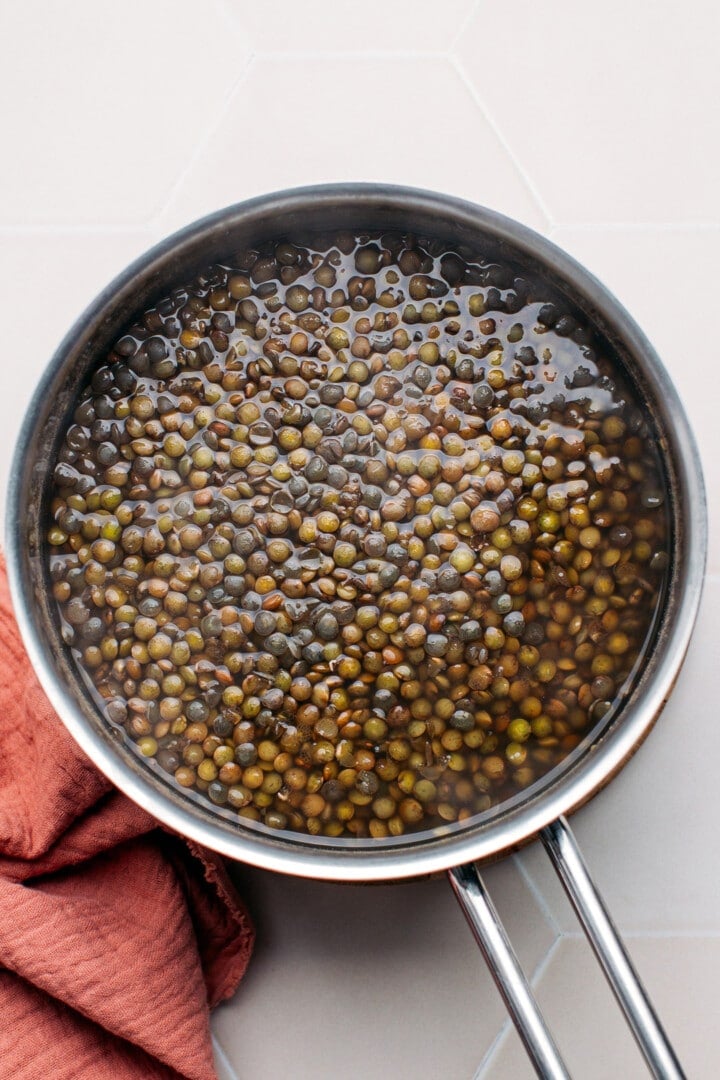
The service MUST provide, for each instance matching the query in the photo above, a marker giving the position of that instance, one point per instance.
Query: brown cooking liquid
(358, 538)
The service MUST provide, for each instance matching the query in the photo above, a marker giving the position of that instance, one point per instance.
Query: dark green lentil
(342, 563)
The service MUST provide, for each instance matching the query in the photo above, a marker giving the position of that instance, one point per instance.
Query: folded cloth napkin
(116, 937)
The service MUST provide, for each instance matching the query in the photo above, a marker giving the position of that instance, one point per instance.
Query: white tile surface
(375, 26)
(612, 109)
(403, 120)
(587, 1023)
(50, 277)
(105, 104)
(393, 968)
(598, 122)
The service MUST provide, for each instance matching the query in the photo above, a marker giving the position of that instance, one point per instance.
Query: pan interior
(487, 242)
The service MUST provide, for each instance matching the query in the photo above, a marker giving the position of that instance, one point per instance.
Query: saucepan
(538, 811)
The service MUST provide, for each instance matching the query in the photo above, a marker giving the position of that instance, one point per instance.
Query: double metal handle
(602, 935)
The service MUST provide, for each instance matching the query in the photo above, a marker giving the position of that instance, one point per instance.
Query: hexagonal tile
(369, 981)
(589, 1028)
(293, 123)
(325, 26)
(112, 101)
(612, 110)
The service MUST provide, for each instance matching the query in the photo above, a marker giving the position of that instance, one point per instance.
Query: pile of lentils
(359, 536)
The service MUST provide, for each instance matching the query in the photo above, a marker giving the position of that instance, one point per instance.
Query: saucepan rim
(568, 786)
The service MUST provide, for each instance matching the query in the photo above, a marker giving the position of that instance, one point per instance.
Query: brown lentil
(348, 565)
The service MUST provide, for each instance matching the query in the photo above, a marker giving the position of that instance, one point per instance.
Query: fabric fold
(116, 936)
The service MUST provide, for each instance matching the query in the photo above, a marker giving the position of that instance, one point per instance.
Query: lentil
(349, 566)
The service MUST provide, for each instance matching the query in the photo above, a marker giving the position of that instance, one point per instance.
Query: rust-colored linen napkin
(116, 937)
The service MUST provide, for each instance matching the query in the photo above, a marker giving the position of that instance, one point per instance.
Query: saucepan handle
(562, 847)
(602, 935)
(505, 969)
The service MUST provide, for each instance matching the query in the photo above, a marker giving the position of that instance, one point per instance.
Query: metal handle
(602, 934)
(510, 979)
(505, 969)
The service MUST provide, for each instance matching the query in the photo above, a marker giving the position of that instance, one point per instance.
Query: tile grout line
(464, 24)
(369, 54)
(529, 184)
(155, 221)
(540, 969)
(220, 1052)
(232, 20)
(492, 1049)
(533, 887)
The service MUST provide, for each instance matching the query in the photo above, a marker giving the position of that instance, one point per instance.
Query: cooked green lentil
(357, 538)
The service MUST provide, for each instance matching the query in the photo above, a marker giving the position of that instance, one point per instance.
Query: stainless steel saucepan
(538, 811)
